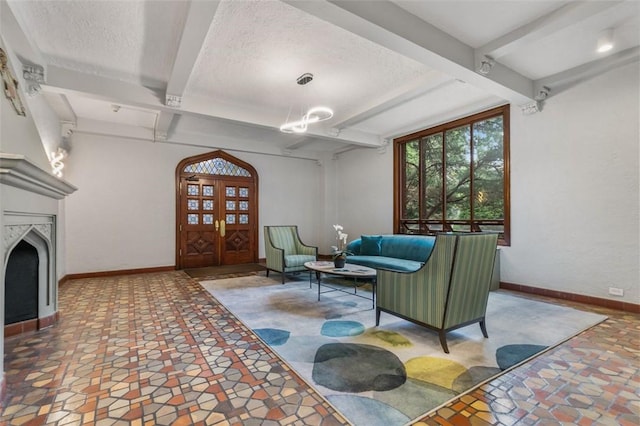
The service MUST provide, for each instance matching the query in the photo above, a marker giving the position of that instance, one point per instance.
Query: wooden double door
(217, 219)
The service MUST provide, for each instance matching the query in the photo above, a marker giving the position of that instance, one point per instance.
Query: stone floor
(155, 349)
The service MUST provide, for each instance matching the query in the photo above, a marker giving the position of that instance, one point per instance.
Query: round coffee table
(349, 270)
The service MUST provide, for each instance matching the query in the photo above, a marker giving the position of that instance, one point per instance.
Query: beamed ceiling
(221, 73)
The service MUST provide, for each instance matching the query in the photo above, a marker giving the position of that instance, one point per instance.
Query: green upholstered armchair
(451, 289)
(285, 251)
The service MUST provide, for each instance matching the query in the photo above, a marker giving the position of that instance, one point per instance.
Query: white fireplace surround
(33, 222)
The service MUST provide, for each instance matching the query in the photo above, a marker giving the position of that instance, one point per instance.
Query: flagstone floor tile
(157, 349)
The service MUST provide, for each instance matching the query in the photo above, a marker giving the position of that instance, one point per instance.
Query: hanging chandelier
(311, 116)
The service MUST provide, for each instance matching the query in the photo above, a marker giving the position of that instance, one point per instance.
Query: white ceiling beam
(61, 105)
(561, 18)
(66, 81)
(444, 117)
(388, 25)
(163, 125)
(568, 78)
(194, 33)
(258, 117)
(298, 143)
(61, 80)
(109, 128)
(350, 136)
(371, 111)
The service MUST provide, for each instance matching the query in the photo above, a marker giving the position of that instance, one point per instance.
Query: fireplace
(31, 213)
(29, 275)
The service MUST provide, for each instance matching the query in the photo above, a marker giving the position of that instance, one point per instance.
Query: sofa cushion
(370, 245)
(392, 263)
(410, 247)
(406, 253)
(354, 246)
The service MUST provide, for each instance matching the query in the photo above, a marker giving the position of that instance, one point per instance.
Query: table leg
(373, 293)
(318, 279)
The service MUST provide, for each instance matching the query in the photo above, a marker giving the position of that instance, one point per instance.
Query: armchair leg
(483, 327)
(377, 317)
(443, 340)
(282, 277)
(267, 273)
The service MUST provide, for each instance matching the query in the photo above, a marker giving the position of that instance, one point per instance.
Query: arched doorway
(216, 211)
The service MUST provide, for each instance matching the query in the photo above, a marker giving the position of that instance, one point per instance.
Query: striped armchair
(451, 289)
(285, 251)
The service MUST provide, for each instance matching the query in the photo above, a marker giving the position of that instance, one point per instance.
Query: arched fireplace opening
(21, 284)
(29, 277)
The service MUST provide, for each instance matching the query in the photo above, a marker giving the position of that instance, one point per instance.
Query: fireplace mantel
(17, 170)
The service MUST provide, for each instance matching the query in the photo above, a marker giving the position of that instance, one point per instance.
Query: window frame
(399, 167)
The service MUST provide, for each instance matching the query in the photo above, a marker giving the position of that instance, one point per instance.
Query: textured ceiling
(573, 45)
(256, 50)
(129, 40)
(479, 22)
(387, 68)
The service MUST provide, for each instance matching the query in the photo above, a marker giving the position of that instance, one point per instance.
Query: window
(454, 177)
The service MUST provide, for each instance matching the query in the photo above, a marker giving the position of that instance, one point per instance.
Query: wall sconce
(55, 159)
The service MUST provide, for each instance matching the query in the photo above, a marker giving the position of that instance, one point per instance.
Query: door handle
(217, 225)
(222, 228)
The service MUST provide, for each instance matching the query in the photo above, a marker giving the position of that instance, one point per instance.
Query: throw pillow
(370, 245)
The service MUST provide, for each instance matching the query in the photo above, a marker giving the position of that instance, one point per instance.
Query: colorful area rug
(391, 374)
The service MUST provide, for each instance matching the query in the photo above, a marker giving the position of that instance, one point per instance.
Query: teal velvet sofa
(403, 253)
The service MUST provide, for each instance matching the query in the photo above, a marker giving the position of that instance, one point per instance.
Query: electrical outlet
(616, 291)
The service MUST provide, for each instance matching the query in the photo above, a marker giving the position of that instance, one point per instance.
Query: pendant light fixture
(311, 116)
(605, 40)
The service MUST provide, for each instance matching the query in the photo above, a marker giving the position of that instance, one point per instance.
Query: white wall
(574, 174)
(574, 191)
(123, 214)
(291, 193)
(364, 198)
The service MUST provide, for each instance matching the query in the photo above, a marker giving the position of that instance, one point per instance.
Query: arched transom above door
(217, 166)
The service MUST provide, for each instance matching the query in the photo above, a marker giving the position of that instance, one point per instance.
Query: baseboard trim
(590, 300)
(115, 273)
(28, 326)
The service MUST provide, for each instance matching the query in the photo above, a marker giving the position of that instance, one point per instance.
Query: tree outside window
(455, 177)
